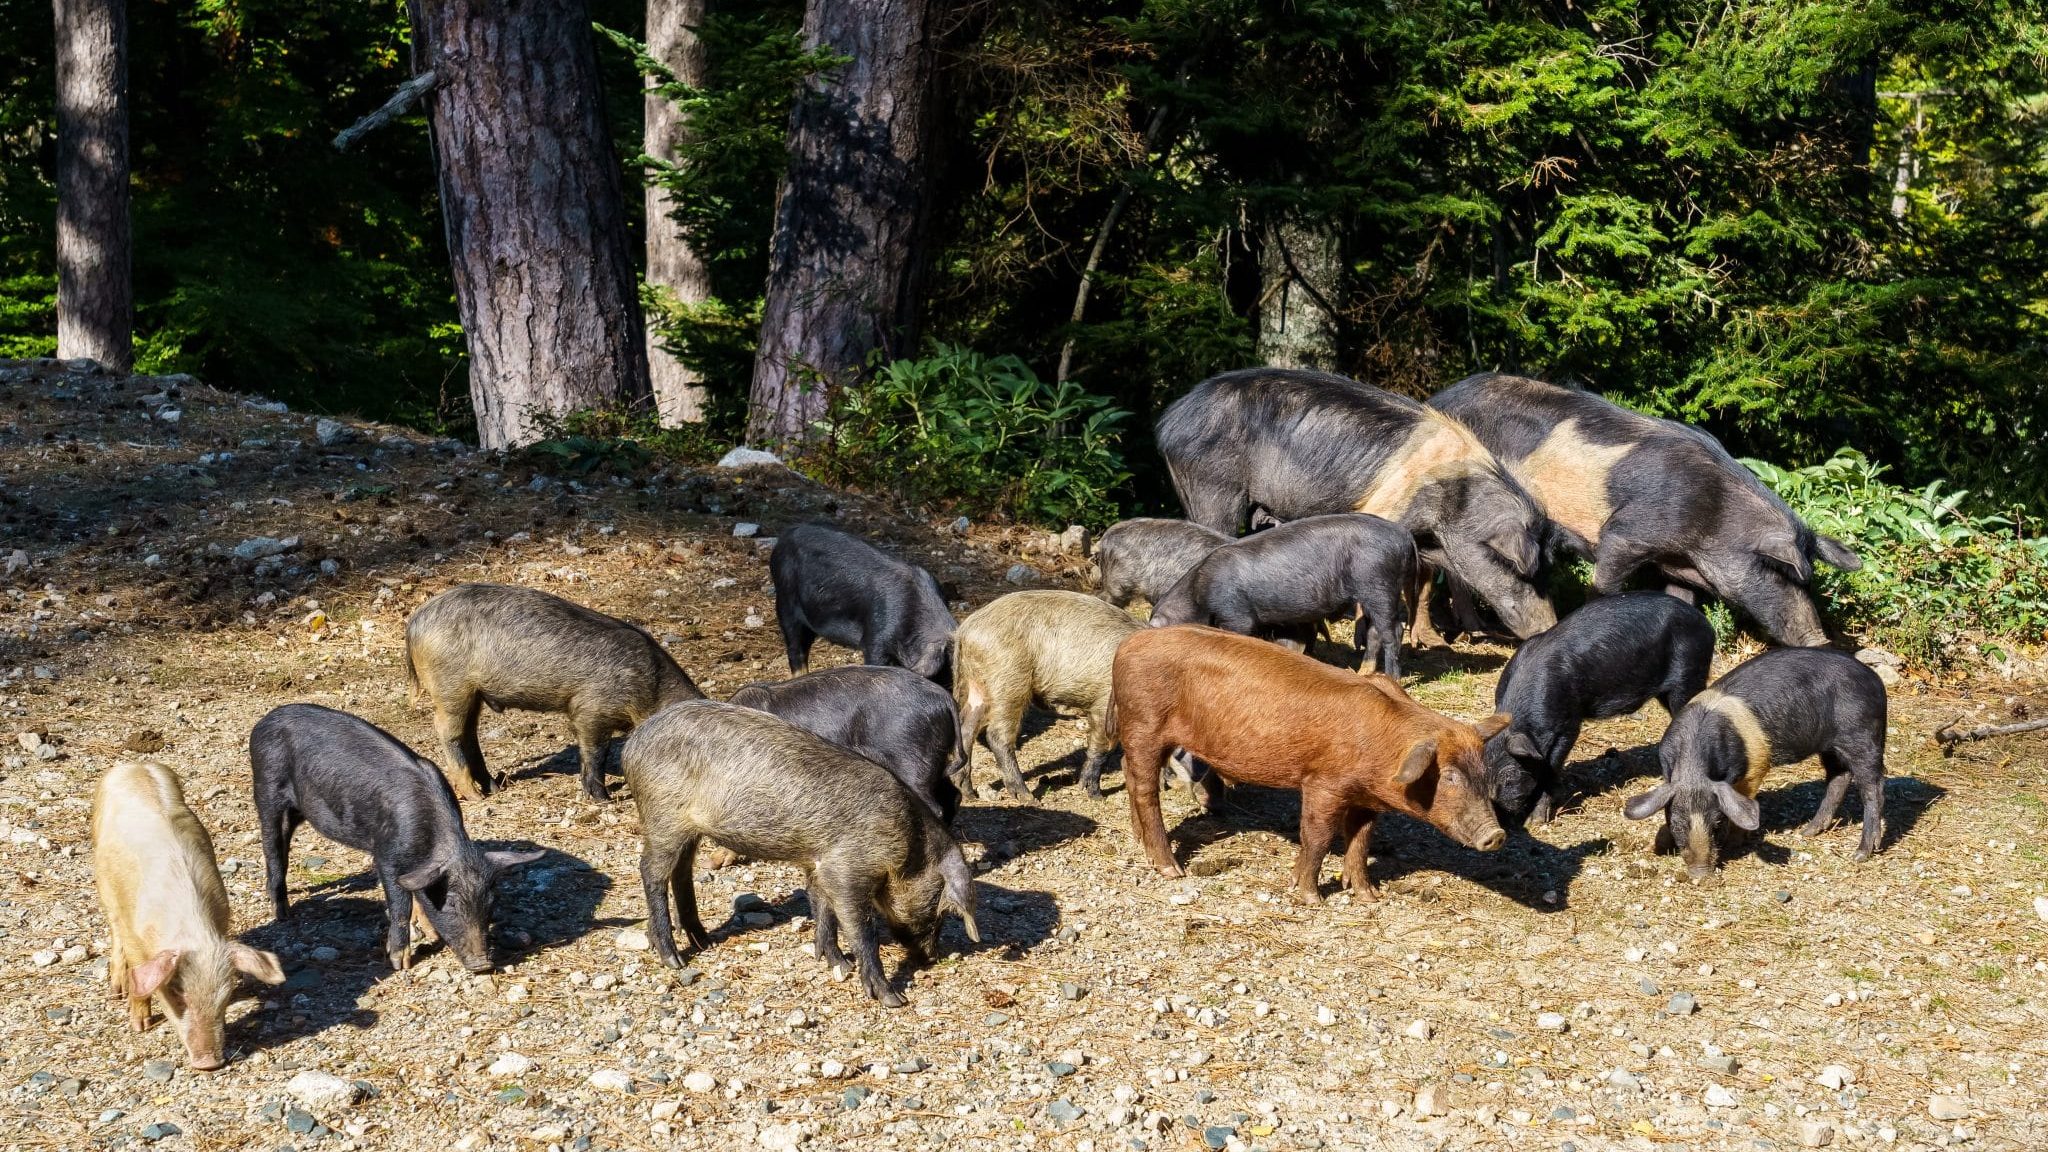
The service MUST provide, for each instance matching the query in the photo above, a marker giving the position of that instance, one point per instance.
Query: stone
(1624, 1079)
(1073, 541)
(1062, 1113)
(160, 1071)
(1324, 1016)
(1217, 1138)
(1834, 1078)
(1782, 896)
(1682, 1004)
(796, 1019)
(1720, 1063)
(1816, 1134)
(75, 954)
(325, 955)
(959, 526)
(1071, 991)
(300, 1122)
(1647, 986)
(322, 1091)
(1948, 1108)
(1021, 574)
(746, 531)
(1418, 1030)
(910, 1067)
(1552, 1022)
(2041, 907)
(611, 1080)
(511, 1064)
(747, 458)
(854, 1097)
(700, 1081)
(159, 1131)
(1428, 1101)
(630, 940)
(17, 561)
(332, 432)
(1718, 1097)
(264, 547)
(1059, 1068)
(831, 1070)
(780, 1137)
(42, 957)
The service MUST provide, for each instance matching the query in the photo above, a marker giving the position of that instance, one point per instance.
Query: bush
(598, 442)
(1937, 583)
(982, 432)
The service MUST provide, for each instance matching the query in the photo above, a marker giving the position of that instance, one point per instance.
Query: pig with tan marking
(1047, 648)
(1777, 709)
(1633, 492)
(167, 910)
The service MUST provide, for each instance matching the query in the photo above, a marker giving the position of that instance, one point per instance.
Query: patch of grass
(1866, 975)
(1988, 973)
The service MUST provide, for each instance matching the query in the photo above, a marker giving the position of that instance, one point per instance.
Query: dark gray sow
(892, 716)
(1607, 659)
(769, 790)
(358, 785)
(1146, 557)
(835, 585)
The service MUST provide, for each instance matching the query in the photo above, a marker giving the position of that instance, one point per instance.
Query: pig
(359, 785)
(511, 647)
(772, 791)
(1607, 659)
(1301, 573)
(1144, 558)
(1630, 492)
(1298, 443)
(1049, 648)
(167, 911)
(892, 716)
(1776, 709)
(1355, 746)
(831, 584)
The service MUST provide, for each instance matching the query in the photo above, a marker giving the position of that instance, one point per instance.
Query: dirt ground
(1570, 992)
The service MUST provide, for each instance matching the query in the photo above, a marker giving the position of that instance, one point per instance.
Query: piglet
(1049, 648)
(358, 785)
(772, 791)
(1301, 573)
(831, 584)
(1607, 659)
(1776, 709)
(892, 716)
(1146, 557)
(512, 647)
(160, 889)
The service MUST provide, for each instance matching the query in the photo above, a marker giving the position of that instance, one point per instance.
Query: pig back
(764, 787)
(153, 862)
(526, 649)
(1065, 641)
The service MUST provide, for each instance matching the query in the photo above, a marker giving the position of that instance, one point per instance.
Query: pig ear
(1421, 758)
(1742, 811)
(1492, 725)
(1782, 549)
(1649, 803)
(145, 978)
(1522, 748)
(1836, 553)
(1514, 546)
(500, 861)
(257, 963)
(423, 875)
(959, 894)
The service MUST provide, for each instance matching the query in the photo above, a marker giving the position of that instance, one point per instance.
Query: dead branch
(393, 108)
(1948, 737)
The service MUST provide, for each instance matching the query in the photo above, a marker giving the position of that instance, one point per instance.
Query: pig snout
(206, 1061)
(1490, 839)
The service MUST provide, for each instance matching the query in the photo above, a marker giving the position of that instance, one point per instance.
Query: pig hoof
(1172, 871)
(1307, 896)
(893, 1000)
(401, 960)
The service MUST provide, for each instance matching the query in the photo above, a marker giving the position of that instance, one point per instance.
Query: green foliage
(1937, 582)
(610, 442)
(983, 432)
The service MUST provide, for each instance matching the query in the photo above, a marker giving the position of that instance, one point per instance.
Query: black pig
(1299, 443)
(1301, 573)
(892, 716)
(1777, 709)
(1145, 558)
(1607, 659)
(1631, 491)
(831, 584)
(772, 791)
(358, 785)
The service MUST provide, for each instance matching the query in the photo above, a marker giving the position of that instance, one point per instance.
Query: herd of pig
(1356, 501)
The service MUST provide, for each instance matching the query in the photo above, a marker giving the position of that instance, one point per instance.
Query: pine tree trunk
(531, 199)
(673, 266)
(1300, 269)
(848, 220)
(95, 292)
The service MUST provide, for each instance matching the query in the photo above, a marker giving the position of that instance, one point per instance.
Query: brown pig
(160, 889)
(1355, 746)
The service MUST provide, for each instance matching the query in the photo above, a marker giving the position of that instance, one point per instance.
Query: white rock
(611, 1080)
(1552, 1022)
(75, 954)
(743, 457)
(1816, 1133)
(1718, 1097)
(1419, 1030)
(796, 1019)
(2041, 907)
(1623, 1079)
(1834, 1078)
(780, 1137)
(700, 1081)
(1948, 1107)
(1324, 1016)
(1427, 1102)
(665, 1110)
(602, 981)
(511, 1064)
(746, 530)
(831, 1070)
(332, 432)
(631, 940)
(321, 1091)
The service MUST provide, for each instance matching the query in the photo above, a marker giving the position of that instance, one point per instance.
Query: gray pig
(359, 785)
(1144, 558)
(1777, 709)
(772, 791)
(892, 716)
(1052, 649)
(511, 647)
(1300, 574)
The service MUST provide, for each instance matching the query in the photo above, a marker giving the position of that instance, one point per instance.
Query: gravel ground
(1571, 992)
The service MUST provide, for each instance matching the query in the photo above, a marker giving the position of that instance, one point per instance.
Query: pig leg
(1385, 616)
(455, 724)
(1099, 744)
(825, 939)
(398, 911)
(1831, 799)
(1143, 763)
(1868, 771)
(853, 898)
(1321, 816)
(1553, 796)
(1004, 723)
(593, 734)
(682, 880)
(1357, 843)
(277, 842)
(797, 636)
(658, 867)
(1421, 627)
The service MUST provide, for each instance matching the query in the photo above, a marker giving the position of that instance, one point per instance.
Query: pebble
(1647, 986)
(511, 1064)
(995, 1018)
(325, 955)
(1718, 1097)
(1020, 574)
(2041, 907)
(1782, 896)
(1552, 1022)
(910, 1067)
(42, 958)
(332, 432)
(1427, 1101)
(854, 1097)
(58, 1015)
(1218, 1137)
(602, 981)
(299, 1122)
(1071, 991)
(1721, 1063)
(746, 531)
(745, 457)
(796, 1019)
(1948, 1107)
(831, 1070)
(611, 1080)
(160, 1071)
(1418, 1030)
(1623, 1079)
(1324, 1016)
(1834, 1078)
(700, 1081)
(780, 1137)
(631, 940)
(322, 1091)
(1682, 1004)
(1816, 1134)
(1060, 1068)
(1062, 1113)
(1197, 1058)
(159, 1131)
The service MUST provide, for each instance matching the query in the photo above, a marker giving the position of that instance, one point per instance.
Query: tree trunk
(673, 266)
(532, 203)
(1300, 268)
(849, 216)
(95, 293)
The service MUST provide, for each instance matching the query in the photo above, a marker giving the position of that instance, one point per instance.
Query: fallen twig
(1948, 737)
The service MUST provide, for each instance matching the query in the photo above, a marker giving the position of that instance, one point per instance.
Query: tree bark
(95, 290)
(531, 199)
(1300, 268)
(673, 266)
(849, 218)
